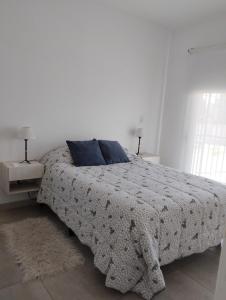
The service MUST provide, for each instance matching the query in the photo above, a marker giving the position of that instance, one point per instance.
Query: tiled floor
(192, 278)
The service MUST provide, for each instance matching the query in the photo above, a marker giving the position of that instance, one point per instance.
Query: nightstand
(17, 178)
(153, 158)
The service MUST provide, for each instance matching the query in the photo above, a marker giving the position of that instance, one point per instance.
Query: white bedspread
(135, 216)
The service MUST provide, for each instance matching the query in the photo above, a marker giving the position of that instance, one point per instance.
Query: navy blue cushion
(113, 152)
(86, 153)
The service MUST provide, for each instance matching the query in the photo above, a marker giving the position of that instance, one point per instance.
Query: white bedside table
(153, 158)
(17, 178)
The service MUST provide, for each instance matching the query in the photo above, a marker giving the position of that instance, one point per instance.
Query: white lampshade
(26, 133)
(139, 132)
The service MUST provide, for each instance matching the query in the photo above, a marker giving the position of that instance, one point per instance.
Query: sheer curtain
(205, 122)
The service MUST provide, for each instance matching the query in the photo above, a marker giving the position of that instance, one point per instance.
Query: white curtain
(205, 122)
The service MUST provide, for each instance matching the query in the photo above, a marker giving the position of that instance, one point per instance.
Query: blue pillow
(86, 153)
(113, 152)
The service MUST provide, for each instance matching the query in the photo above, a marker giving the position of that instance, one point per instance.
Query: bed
(135, 217)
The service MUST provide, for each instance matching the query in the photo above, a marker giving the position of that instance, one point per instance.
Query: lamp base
(138, 151)
(25, 161)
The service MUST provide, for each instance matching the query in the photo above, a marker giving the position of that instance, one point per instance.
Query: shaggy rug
(40, 247)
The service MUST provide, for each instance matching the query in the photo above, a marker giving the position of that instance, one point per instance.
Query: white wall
(77, 69)
(172, 138)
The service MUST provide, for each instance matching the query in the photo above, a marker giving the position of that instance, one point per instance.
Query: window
(209, 137)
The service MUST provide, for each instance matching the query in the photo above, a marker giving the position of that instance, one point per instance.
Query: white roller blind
(205, 126)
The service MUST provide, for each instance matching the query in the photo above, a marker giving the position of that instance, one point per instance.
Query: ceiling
(172, 13)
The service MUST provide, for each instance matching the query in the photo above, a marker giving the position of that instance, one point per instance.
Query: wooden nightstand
(17, 178)
(153, 158)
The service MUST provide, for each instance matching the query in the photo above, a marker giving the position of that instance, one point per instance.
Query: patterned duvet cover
(134, 216)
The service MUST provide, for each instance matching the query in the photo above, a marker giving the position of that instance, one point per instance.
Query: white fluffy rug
(40, 247)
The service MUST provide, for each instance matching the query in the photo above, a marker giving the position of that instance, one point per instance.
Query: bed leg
(42, 206)
(70, 232)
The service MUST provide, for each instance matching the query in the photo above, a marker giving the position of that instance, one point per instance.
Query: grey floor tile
(29, 291)
(17, 214)
(84, 283)
(202, 268)
(181, 287)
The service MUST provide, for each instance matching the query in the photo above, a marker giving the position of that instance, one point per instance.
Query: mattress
(135, 217)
